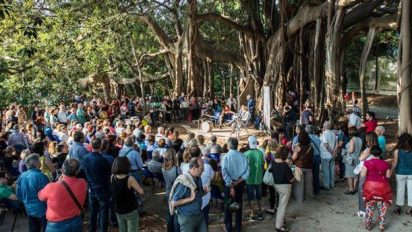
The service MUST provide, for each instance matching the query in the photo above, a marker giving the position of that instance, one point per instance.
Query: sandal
(409, 211)
(348, 192)
(282, 229)
(398, 210)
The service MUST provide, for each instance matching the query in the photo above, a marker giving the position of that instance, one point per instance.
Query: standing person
(370, 122)
(251, 105)
(186, 198)
(255, 160)
(315, 143)
(354, 119)
(232, 103)
(327, 154)
(377, 191)
(62, 115)
(402, 162)
(351, 159)
(123, 188)
(380, 130)
(29, 184)
(136, 162)
(65, 199)
(306, 117)
(77, 149)
(81, 114)
(235, 171)
(283, 179)
(371, 141)
(303, 159)
(343, 139)
(97, 170)
(289, 120)
(170, 172)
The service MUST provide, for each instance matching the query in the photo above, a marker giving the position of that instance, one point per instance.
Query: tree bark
(404, 74)
(362, 68)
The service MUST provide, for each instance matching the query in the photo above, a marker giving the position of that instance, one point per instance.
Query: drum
(206, 126)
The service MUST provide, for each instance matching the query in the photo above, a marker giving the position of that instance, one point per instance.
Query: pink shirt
(376, 170)
(60, 205)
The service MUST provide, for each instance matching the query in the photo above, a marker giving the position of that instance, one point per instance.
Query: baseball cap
(252, 142)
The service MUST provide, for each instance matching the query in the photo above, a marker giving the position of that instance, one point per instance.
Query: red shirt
(60, 205)
(370, 125)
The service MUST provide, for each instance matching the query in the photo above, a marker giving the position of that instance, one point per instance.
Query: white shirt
(354, 120)
(62, 116)
(206, 177)
(328, 137)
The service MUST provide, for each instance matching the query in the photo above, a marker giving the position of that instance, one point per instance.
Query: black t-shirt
(282, 174)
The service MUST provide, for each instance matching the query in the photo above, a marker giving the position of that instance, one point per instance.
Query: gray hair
(232, 143)
(71, 167)
(129, 141)
(327, 125)
(32, 161)
(381, 128)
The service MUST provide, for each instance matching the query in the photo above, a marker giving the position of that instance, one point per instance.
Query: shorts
(254, 192)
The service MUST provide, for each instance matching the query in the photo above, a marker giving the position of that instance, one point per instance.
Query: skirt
(380, 191)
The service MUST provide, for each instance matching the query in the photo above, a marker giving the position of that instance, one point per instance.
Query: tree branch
(228, 22)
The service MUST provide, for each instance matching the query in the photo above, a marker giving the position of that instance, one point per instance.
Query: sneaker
(260, 217)
(361, 214)
(252, 218)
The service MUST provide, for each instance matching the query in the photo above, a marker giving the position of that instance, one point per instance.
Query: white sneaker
(361, 214)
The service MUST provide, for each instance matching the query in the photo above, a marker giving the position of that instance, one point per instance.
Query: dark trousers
(172, 223)
(37, 224)
(205, 212)
(99, 208)
(238, 214)
(315, 173)
(273, 198)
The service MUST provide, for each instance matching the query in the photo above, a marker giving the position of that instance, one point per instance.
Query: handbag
(66, 186)
(298, 174)
(268, 177)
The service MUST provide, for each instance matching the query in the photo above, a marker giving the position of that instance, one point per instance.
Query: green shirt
(5, 191)
(255, 161)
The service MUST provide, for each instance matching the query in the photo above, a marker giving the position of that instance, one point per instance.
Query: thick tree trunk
(404, 74)
(334, 93)
(362, 68)
(376, 73)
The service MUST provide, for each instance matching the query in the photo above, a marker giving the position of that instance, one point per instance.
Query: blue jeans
(195, 223)
(228, 214)
(99, 208)
(328, 171)
(315, 172)
(73, 224)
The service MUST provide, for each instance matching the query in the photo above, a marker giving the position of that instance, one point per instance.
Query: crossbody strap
(66, 186)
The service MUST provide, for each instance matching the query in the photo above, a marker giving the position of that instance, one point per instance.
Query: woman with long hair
(303, 160)
(170, 172)
(124, 197)
(402, 162)
(377, 191)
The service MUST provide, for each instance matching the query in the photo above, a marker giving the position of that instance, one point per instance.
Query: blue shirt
(134, 157)
(315, 143)
(251, 105)
(108, 158)
(234, 166)
(29, 184)
(97, 170)
(382, 144)
(77, 151)
(404, 163)
(192, 208)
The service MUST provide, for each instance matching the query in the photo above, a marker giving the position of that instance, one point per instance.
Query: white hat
(252, 142)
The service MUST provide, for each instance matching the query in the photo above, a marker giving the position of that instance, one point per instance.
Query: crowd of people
(94, 159)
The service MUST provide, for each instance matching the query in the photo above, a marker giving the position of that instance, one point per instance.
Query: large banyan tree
(294, 45)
